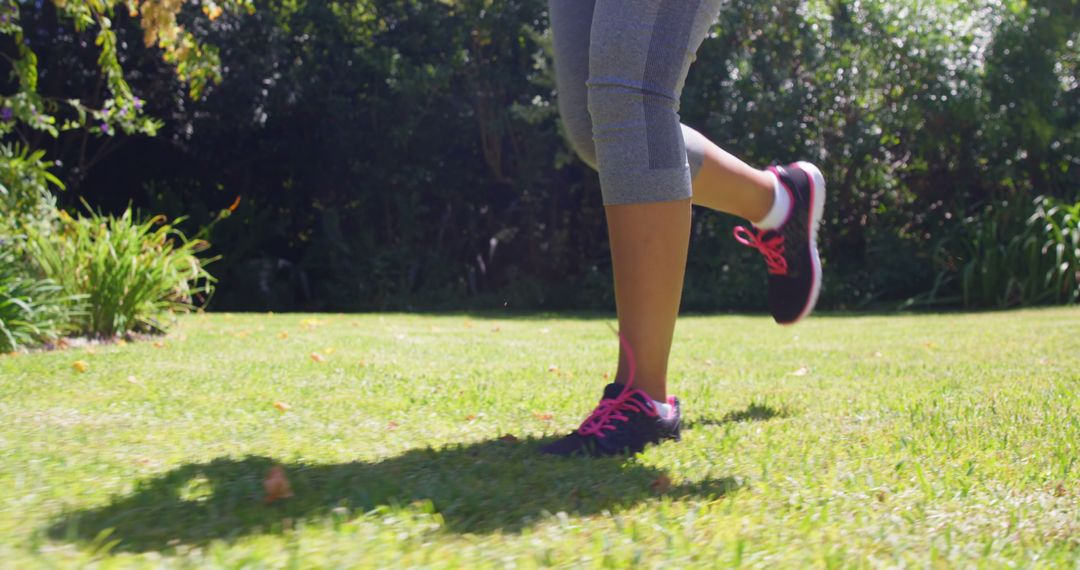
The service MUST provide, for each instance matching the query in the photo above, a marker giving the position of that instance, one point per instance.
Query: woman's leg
(639, 55)
(721, 181)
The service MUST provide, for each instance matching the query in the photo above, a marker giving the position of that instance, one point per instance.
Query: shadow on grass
(754, 412)
(490, 486)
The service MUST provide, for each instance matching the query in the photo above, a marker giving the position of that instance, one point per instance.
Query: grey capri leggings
(620, 67)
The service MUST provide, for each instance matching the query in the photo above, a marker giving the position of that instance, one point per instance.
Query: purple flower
(6, 113)
(138, 103)
(105, 128)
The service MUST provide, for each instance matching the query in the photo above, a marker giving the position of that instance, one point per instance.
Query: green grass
(879, 441)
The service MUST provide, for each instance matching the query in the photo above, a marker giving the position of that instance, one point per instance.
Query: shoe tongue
(612, 391)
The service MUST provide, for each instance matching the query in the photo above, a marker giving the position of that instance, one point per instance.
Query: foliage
(406, 153)
(26, 198)
(1015, 254)
(32, 310)
(131, 274)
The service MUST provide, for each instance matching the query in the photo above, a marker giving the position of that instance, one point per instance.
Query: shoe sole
(817, 210)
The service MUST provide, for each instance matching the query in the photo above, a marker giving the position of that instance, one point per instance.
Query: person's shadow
(493, 485)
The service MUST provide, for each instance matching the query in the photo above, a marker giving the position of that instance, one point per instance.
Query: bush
(1015, 254)
(26, 198)
(131, 274)
(31, 310)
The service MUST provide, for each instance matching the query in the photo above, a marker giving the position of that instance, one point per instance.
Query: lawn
(409, 440)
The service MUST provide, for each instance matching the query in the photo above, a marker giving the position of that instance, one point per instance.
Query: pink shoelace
(612, 409)
(772, 249)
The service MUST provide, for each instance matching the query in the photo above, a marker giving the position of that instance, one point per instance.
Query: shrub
(31, 310)
(130, 273)
(1015, 254)
(26, 198)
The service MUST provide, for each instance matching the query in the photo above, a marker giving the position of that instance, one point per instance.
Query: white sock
(663, 407)
(780, 209)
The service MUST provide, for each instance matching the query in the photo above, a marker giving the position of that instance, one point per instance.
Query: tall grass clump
(32, 310)
(1015, 254)
(131, 275)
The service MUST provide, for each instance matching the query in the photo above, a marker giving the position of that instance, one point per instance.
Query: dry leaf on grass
(661, 485)
(283, 335)
(391, 426)
(317, 357)
(159, 344)
(545, 416)
(508, 438)
(282, 407)
(81, 366)
(276, 485)
(470, 417)
(553, 368)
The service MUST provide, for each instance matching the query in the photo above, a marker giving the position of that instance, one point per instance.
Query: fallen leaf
(80, 365)
(317, 357)
(931, 345)
(607, 375)
(470, 417)
(282, 407)
(508, 438)
(661, 485)
(392, 426)
(159, 344)
(276, 485)
(283, 335)
(801, 372)
(553, 368)
(544, 416)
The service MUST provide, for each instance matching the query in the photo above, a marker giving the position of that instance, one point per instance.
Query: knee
(577, 125)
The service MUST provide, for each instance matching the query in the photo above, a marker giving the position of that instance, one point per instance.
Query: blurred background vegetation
(407, 154)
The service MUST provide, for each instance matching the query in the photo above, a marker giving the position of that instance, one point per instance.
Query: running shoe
(790, 251)
(623, 423)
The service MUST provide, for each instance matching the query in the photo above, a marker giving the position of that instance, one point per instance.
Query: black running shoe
(623, 423)
(790, 251)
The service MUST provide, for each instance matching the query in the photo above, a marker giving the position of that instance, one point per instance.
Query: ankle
(780, 205)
